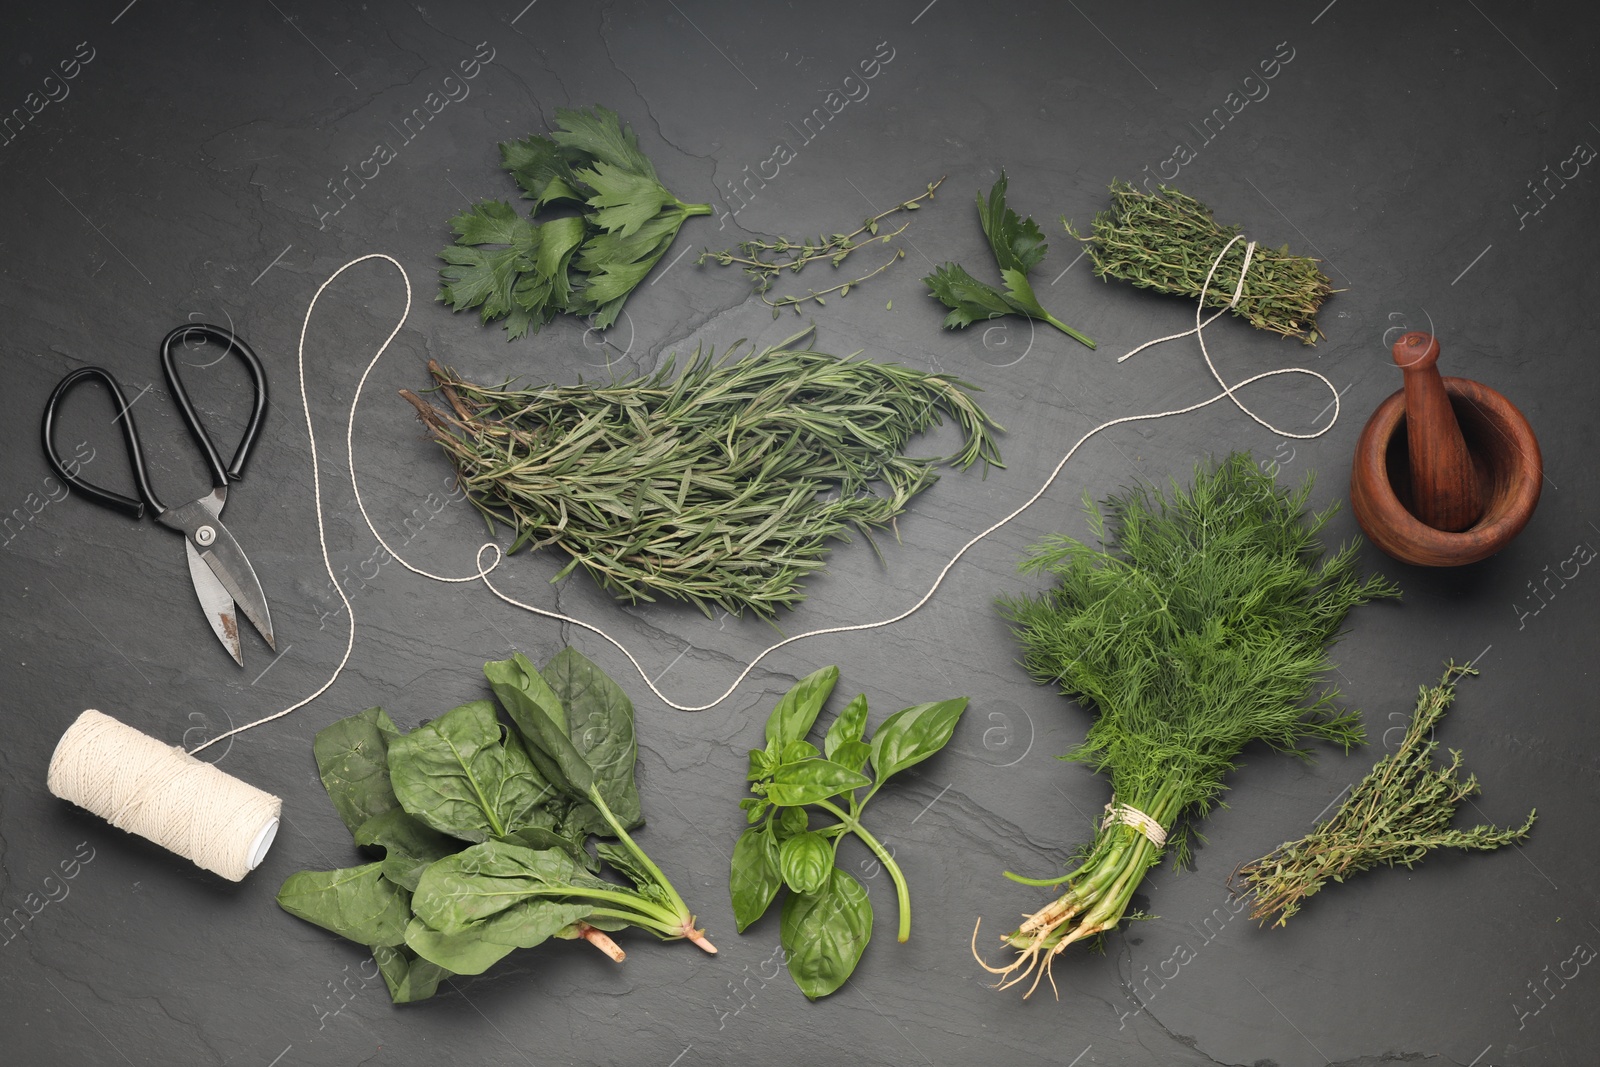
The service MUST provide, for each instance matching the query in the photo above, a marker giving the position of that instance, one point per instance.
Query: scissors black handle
(130, 435)
(220, 476)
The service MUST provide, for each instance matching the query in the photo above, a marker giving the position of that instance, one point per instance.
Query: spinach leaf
(908, 737)
(462, 953)
(408, 843)
(826, 933)
(754, 880)
(805, 860)
(352, 760)
(354, 902)
(478, 882)
(791, 720)
(812, 780)
(455, 775)
(850, 725)
(532, 922)
(600, 724)
(409, 977)
(527, 699)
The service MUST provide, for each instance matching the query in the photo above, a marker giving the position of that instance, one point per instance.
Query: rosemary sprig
(765, 261)
(722, 485)
(1399, 813)
(1167, 242)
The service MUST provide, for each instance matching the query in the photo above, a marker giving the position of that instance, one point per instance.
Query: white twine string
(1129, 815)
(482, 573)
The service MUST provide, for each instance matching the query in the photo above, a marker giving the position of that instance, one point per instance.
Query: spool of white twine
(183, 804)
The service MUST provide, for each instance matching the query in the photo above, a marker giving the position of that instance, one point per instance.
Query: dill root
(1199, 624)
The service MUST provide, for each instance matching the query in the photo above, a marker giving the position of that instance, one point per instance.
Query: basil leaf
(528, 700)
(850, 725)
(475, 883)
(600, 724)
(354, 902)
(754, 879)
(761, 765)
(463, 953)
(353, 763)
(790, 821)
(410, 978)
(852, 754)
(805, 860)
(455, 775)
(812, 780)
(825, 934)
(791, 720)
(409, 845)
(795, 751)
(908, 737)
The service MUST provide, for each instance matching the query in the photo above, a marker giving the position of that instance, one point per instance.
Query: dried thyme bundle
(722, 485)
(1401, 811)
(1167, 242)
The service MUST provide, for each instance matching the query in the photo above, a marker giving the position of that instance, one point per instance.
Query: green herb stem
(902, 891)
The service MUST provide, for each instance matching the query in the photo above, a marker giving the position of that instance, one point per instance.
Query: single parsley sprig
(526, 272)
(1018, 246)
(1399, 813)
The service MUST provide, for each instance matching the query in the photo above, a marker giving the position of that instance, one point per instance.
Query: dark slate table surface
(185, 171)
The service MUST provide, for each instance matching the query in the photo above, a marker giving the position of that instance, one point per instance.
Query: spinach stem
(902, 892)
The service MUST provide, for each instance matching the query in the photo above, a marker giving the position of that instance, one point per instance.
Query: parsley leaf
(1018, 247)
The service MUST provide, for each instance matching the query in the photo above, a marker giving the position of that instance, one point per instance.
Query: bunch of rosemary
(720, 485)
(1197, 627)
(1168, 242)
(1401, 811)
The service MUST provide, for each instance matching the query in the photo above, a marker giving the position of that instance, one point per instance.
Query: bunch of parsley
(525, 272)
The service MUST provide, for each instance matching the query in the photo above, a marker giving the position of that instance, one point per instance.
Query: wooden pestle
(1444, 486)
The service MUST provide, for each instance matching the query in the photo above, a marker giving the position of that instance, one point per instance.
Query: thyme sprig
(1399, 813)
(1168, 242)
(765, 261)
(1198, 625)
(721, 485)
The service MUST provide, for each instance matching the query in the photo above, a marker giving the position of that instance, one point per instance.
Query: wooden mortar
(1447, 471)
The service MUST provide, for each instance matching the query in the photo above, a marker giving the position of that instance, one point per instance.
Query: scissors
(222, 574)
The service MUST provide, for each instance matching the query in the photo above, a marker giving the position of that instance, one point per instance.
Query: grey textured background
(182, 175)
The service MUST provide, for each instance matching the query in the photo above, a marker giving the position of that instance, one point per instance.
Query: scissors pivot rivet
(205, 535)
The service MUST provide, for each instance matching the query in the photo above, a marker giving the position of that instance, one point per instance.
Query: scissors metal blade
(225, 559)
(216, 603)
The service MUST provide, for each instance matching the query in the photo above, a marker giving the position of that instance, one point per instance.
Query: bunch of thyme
(1399, 813)
(721, 485)
(1199, 625)
(766, 260)
(1168, 242)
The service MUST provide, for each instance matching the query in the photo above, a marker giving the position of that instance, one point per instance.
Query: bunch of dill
(722, 485)
(1200, 624)
(1168, 242)
(1400, 812)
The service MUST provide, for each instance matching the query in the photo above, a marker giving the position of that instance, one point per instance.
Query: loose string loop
(483, 571)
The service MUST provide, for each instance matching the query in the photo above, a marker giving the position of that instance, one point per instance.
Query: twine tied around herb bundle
(1128, 815)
